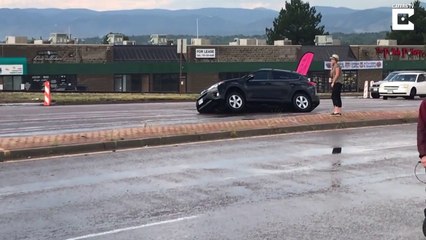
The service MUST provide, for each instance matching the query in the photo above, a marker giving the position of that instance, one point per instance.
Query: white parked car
(406, 84)
(374, 89)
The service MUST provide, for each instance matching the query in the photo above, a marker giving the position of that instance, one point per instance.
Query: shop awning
(323, 53)
(13, 66)
(145, 53)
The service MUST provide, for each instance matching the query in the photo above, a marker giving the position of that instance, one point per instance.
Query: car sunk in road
(265, 86)
(405, 84)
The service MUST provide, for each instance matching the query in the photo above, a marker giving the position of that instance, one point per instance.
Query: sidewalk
(109, 140)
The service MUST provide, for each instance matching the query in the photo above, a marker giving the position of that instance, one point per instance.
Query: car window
(261, 75)
(405, 78)
(284, 75)
(390, 76)
(421, 78)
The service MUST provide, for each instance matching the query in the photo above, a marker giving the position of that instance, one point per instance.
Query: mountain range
(82, 23)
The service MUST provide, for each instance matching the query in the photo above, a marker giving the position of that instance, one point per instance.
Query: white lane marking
(133, 228)
(264, 172)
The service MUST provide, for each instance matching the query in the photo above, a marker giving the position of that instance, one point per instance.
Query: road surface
(276, 187)
(38, 120)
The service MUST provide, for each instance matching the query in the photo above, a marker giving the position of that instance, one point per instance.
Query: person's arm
(421, 133)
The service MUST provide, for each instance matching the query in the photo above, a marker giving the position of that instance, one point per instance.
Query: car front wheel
(375, 95)
(413, 93)
(235, 102)
(302, 103)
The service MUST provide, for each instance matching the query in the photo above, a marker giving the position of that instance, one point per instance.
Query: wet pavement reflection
(336, 184)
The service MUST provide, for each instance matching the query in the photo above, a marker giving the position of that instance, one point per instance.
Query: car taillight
(312, 84)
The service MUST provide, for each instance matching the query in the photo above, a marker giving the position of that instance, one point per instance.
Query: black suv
(263, 86)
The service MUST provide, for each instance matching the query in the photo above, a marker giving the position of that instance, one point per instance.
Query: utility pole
(181, 49)
(180, 66)
(197, 28)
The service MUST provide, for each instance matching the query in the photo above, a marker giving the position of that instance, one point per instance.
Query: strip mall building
(148, 68)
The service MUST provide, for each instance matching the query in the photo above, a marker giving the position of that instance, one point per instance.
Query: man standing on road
(336, 76)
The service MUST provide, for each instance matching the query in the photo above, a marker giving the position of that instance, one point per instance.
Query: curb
(20, 104)
(22, 154)
(321, 96)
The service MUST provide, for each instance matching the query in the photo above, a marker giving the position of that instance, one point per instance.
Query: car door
(421, 84)
(282, 83)
(259, 86)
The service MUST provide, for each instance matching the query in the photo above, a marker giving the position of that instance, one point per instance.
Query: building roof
(145, 53)
(323, 53)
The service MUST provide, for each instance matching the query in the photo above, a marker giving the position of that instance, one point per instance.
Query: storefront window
(321, 79)
(12, 83)
(57, 82)
(165, 83)
(122, 83)
(128, 83)
(350, 81)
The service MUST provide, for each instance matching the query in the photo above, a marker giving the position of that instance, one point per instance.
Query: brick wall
(369, 75)
(247, 53)
(97, 83)
(47, 53)
(196, 82)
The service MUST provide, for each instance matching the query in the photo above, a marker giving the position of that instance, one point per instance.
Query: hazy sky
(186, 4)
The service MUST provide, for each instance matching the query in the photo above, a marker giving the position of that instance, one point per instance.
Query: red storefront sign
(401, 52)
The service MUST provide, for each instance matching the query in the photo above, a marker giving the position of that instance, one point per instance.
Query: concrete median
(18, 148)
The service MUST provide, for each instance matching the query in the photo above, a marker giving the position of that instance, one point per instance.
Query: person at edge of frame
(336, 82)
(421, 144)
(421, 133)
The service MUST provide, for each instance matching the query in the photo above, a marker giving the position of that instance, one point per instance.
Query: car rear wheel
(302, 103)
(235, 102)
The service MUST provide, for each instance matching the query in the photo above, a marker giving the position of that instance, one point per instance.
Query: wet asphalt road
(276, 187)
(39, 120)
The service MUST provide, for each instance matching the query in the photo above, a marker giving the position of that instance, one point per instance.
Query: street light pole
(197, 28)
(180, 66)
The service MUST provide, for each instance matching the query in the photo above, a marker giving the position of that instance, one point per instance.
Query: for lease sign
(205, 53)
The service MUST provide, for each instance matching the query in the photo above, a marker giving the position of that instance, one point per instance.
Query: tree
(298, 22)
(416, 37)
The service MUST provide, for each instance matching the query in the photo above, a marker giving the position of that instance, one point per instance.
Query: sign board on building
(356, 65)
(400, 52)
(205, 53)
(13, 69)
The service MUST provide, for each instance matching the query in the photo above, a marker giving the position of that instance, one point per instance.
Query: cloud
(252, 5)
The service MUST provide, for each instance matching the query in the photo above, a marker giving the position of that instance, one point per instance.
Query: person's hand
(423, 161)
(332, 84)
